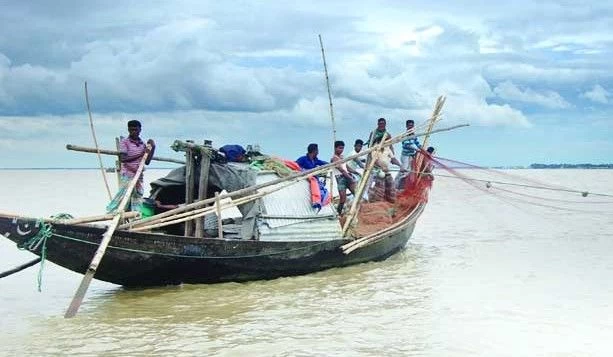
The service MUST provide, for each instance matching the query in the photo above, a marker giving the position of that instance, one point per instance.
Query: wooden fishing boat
(145, 259)
(278, 234)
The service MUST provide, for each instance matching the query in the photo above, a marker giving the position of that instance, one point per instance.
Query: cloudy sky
(534, 80)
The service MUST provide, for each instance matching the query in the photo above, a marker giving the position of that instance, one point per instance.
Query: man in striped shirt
(409, 146)
(131, 150)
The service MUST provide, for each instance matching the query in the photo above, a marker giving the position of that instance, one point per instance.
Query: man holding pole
(131, 150)
(380, 134)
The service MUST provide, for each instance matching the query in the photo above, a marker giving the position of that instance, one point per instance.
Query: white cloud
(550, 99)
(597, 94)
(474, 111)
(195, 71)
(558, 75)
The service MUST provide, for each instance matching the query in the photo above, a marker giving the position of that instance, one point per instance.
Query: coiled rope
(39, 240)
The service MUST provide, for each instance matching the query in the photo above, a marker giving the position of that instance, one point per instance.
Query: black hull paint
(147, 259)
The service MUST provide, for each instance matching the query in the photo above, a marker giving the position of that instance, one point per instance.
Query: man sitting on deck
(310, 160)
(319, 193)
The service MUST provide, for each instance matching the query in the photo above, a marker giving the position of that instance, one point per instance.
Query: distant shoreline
(72, 168)
(571, 166)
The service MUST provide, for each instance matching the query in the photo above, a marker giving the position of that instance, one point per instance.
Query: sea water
(483, 275)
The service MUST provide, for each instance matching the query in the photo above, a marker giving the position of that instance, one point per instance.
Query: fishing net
(390, 200)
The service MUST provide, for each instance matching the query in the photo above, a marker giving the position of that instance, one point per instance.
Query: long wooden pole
(203, 185)
(106, 238)
(323, 57)
(189, 187)
(79, 220)
(218, 213)
(118, 162)
(297, 175)
(433, 119)
(91, 125)
(116, 153)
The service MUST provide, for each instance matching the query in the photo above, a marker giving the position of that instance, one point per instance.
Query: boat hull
(151, 259)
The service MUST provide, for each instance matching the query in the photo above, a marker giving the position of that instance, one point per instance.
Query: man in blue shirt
(409, 146)
(310, 160)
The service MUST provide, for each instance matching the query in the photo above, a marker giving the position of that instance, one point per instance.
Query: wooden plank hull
(150, 259)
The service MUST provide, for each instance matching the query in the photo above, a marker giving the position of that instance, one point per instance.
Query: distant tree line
(571, 166)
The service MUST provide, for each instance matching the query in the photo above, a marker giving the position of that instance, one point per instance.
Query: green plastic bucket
(147, 209)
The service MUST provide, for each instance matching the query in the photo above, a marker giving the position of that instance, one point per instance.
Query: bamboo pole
(91, 125)
(296, 176)
(103, 217)
(440, 101)
(79, 220)
(106, 239)
(189, 187)
(323, 56)
(118, 163)
(203, 184)
(357, 200)
(218, 212)
(116, 153)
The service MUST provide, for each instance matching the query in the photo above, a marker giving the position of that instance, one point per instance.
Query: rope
(277, 166)
(62, 216)
(583, 193)
(45, 232)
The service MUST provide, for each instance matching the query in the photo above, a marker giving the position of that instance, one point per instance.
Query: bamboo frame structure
(178, 215)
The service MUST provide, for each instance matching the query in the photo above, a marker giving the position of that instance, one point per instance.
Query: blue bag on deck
(234, 153)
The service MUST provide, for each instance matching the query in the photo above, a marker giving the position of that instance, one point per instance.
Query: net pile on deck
(392, 200)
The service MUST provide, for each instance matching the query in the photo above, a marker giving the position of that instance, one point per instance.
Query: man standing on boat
(384, 183)
(357, 165)
(131, 150)
(380, 134)
(410, 145)
(342, 173)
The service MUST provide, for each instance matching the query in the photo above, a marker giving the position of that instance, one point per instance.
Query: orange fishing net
(391, 200)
